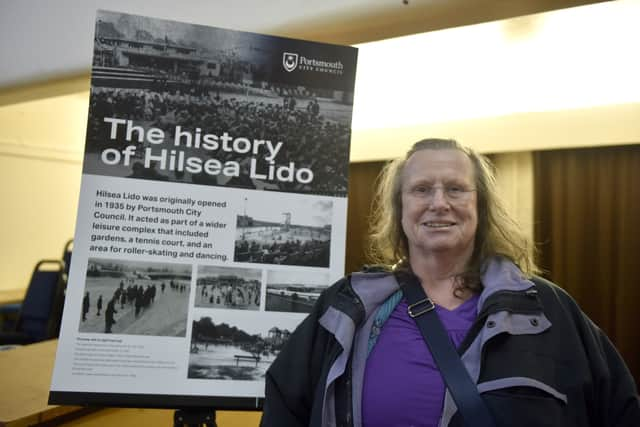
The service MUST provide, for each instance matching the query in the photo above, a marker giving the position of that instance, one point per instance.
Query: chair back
(41, 311)
(66, 256)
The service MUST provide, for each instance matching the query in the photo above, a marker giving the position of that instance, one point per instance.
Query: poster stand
(212, 213)
(195, 417)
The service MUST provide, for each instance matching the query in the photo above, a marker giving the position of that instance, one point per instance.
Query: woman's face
(439, 203)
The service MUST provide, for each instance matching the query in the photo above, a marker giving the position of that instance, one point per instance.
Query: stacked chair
(40, 314)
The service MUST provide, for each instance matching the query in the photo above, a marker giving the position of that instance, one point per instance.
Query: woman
(359, 360)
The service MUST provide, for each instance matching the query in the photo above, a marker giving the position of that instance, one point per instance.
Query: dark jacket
(537, 359)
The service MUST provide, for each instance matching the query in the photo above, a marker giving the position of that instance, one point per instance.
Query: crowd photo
(226, 90)
(135, 298)
(231, 288)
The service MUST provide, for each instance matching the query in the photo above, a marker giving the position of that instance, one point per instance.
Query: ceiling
(41, 41)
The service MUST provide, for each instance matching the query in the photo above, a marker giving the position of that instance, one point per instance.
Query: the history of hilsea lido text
(261, 153)
(138, 223)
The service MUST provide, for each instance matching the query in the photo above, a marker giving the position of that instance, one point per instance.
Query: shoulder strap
(462, 388)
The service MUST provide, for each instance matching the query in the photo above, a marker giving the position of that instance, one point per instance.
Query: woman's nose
(438, 198)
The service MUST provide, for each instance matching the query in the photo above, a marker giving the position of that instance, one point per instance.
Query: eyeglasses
(453, 193)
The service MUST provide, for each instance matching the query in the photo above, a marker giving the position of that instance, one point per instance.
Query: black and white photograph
(135, 298)
(228, 287)
(295, 232)
(294, 291)
(239, 351)
(272, 131)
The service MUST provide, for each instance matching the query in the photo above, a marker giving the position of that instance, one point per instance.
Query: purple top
(402, 385)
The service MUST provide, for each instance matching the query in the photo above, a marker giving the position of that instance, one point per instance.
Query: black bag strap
(462, 388)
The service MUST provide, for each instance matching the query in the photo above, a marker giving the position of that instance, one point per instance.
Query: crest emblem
(289, 61)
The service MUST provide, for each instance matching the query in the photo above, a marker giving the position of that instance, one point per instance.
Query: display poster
(212, 211)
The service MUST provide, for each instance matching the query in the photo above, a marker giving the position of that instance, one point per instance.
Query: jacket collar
(506, 288)
(373, 288)
(500, 274)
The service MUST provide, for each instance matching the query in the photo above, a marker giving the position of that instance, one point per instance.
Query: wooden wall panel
(362, 177)
(587, 205)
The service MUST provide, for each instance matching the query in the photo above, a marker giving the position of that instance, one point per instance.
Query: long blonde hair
(497, 234)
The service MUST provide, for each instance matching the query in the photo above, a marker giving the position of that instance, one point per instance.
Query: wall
(42, 141)
(553, 80)
(40, 168)
(573, 128)
(535, 82)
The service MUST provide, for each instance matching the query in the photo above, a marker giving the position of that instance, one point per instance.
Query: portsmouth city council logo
(290, 61)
